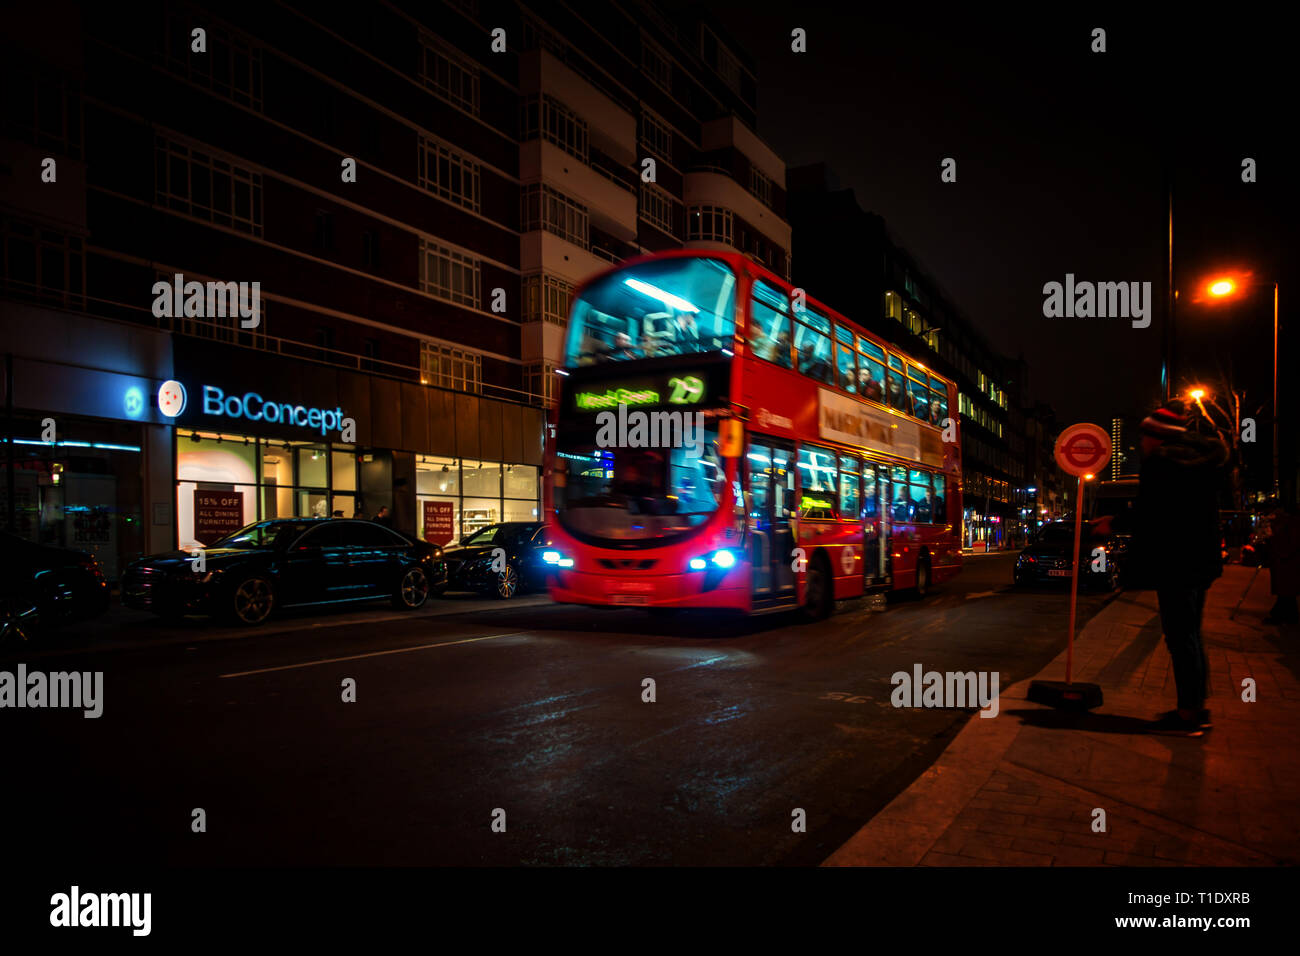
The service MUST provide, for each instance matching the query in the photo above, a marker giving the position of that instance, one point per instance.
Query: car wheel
(818, 593)
(412, 590)
(251, 601)
(922, 578)
(507, 583)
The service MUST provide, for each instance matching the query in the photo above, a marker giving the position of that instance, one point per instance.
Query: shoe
(1203, 719)
(1171, 725)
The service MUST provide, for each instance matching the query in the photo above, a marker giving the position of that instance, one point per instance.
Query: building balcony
(610, 127)
(541, 251)
(611, 206)
(541, 341)
(710, 186)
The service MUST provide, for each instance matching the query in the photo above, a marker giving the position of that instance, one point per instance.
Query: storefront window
(225, 480)
(472, 495)
(520, 491)
(82, 491)
(216, 486)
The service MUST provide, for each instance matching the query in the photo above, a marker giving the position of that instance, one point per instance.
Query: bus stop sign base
(1057, 693)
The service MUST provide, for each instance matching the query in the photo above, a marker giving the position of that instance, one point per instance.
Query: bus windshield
(639, 494)
(674, 306)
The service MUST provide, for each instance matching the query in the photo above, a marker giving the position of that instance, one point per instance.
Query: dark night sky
(1060, 169)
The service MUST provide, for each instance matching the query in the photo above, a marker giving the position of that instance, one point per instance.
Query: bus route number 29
(687, 389)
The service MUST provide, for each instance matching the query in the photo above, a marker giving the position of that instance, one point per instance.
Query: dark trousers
(1181, 607)
(1285, 610)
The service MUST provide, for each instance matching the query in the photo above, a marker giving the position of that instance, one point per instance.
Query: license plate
(1058, 574)
(629, 600)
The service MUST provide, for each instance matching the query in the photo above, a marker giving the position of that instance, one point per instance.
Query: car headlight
(556, 559)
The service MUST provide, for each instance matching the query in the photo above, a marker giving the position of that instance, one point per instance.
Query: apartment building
(414, 188)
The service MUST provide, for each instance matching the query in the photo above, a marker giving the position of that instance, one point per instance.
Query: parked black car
(59, 584)
(470, 564)
(288, 562)
(1047, 559)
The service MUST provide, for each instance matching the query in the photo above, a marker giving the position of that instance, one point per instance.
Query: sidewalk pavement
(1020, 789)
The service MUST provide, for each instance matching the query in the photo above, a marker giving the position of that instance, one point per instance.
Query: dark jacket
(1283, 555)
(1177, 537)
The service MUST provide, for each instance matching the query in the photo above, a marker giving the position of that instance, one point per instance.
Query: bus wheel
(922, 578)
(818, 590)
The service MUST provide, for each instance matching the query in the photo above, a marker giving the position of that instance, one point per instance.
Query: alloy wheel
(414, 588)
(253, 601)
(507, 582)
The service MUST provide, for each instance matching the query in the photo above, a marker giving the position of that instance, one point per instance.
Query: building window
(449, 75)
(549, 209)
(232, 67)
(218, 322)
(42, 110)
(656, 65)
(760, 186)
(544, 117)
(657, 208)
(449, 367)
(41, 264)
(200, 184)
(540, 381)
(709, 223)
(449, 275)
(450, 175)
(546, 299)
(657, 136)
(728, 68)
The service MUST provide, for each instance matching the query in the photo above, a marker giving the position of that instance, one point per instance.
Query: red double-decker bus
(825, 465)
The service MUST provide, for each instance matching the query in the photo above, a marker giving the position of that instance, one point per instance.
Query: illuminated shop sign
(681, 390)
(252, 407)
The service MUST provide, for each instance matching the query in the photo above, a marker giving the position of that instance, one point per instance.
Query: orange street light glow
(1222, 287)
(1197, 393)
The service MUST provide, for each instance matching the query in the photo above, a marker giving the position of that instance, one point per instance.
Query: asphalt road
(530, 708)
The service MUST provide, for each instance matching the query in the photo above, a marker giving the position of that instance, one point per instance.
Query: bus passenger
(871, 387)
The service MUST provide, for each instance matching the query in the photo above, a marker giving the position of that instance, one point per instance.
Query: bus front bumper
(697, 589)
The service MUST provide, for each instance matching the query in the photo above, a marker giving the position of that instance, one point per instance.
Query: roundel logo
(171, 398)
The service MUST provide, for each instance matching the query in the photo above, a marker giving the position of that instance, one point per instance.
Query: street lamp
(1225, 287)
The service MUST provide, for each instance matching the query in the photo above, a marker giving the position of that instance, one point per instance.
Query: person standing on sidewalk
(1178, 546)
(1282, 554)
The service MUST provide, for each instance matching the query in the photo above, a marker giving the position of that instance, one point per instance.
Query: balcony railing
(231, 334)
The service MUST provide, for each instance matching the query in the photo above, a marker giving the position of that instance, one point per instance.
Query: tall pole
(1167, 372)
(1074, 583)
(1276, 409)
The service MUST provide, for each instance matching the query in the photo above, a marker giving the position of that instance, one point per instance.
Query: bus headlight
(722, 558)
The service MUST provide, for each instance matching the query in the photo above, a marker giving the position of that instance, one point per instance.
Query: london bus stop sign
(1083, 450)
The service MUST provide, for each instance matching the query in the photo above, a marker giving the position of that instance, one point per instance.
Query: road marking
(357, 657)
(980, 594)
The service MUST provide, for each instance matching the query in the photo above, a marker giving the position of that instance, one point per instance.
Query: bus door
(875, 524)
(771, 496)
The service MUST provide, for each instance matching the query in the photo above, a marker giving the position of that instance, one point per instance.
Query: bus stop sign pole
(1083, 451)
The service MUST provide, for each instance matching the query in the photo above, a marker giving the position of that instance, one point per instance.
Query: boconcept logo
(254, 407)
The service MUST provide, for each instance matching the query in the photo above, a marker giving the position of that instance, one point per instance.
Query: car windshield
(264, 534)
(1056, 534)
(675, 306)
